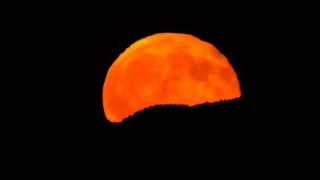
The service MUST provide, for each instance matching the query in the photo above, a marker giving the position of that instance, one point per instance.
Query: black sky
(92, 36)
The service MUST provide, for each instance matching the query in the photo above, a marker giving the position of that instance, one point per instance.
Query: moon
(167, 68)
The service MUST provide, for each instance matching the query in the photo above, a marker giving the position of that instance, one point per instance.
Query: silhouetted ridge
(202, 114)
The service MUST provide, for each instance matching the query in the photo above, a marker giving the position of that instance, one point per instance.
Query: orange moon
(167, 68)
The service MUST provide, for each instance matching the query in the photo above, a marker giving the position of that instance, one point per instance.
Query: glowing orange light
(167, 68)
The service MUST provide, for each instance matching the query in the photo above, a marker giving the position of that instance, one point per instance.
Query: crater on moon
(200, 70)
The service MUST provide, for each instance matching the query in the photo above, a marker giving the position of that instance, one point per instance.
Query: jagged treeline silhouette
(231, 113)
(232, 119)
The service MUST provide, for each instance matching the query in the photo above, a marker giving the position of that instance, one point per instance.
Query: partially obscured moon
(167, 68)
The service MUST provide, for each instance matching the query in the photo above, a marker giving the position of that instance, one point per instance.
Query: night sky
(93, 35)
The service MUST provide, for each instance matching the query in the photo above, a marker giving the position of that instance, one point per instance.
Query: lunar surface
(167, 68)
